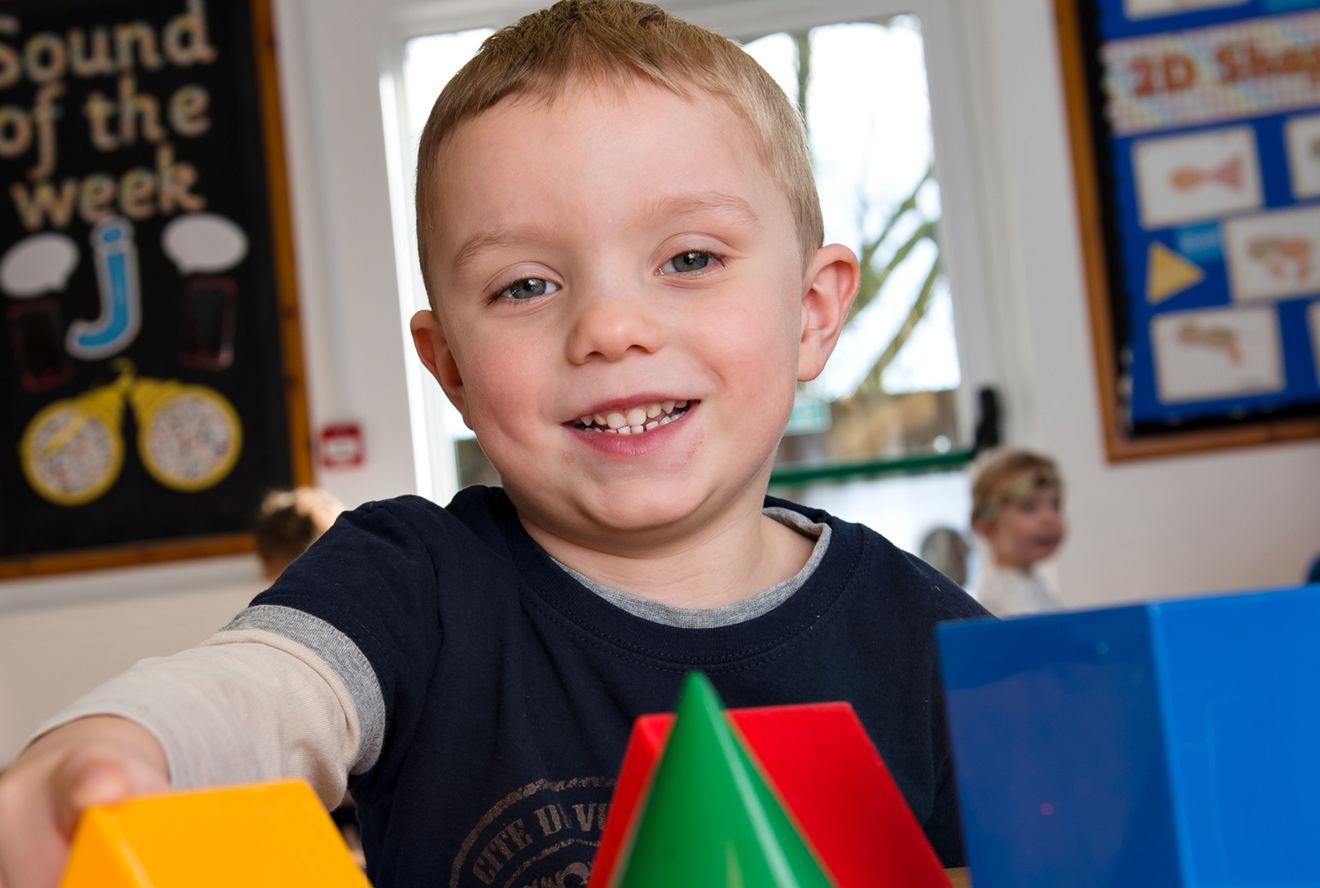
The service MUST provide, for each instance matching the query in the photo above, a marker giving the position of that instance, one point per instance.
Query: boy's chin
(659, 510)
(638, 520)
(634, 515)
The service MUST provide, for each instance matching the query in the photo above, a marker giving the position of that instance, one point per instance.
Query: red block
(829, 776)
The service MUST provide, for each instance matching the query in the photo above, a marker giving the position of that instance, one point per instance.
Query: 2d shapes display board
(827, 774)
(1168, 744)
(265, 835)
(1196, 141)
(150, 365)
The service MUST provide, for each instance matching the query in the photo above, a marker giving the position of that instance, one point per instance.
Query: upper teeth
(634, 420)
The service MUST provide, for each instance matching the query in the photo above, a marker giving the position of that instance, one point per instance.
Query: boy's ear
(433, 348)
(830, 286)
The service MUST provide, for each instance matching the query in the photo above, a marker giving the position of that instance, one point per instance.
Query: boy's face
(1028, 529)
(615, 255)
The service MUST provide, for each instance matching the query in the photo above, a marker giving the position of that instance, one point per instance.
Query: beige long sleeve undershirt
(245, 705)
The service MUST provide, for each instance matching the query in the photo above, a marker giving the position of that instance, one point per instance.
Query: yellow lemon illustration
(72, 450)
(189, 436)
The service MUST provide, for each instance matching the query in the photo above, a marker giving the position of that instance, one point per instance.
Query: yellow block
(259, 836)
(1169, 273)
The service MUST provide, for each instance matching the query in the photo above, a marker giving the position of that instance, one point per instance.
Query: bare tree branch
(873, 280)
(909, 203)
(918, 311)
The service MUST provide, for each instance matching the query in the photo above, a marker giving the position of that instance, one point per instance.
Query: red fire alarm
(341, 446)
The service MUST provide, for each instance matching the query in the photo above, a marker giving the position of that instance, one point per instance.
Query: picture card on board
(1216, 353)
(1201, 176)
(1273, 255)
(1302, 134)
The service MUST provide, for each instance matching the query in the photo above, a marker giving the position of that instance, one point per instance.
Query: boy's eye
(692, 260)
(528, 288)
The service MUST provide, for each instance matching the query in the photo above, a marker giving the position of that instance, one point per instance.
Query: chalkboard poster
(152, 386)
(1196, 142)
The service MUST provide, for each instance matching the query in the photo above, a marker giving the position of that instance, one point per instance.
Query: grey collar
(729, 614)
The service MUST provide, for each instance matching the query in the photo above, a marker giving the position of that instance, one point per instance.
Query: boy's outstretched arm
(91, 761)
(243, 706)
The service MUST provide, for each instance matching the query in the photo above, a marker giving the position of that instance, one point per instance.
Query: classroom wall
(1173, 526)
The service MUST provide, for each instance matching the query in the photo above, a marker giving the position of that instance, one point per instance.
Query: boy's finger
(80, 783)
(100, 785)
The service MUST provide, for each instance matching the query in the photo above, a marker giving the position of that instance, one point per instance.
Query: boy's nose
(609, 325)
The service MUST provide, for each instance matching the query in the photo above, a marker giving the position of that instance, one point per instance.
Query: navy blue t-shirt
(509, 688)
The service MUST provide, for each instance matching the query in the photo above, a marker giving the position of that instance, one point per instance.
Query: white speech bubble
(204, 242)
(38, 264)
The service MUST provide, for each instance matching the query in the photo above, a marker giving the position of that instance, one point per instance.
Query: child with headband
(1017, 510)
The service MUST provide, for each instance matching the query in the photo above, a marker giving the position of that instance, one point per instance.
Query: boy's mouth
(633, 420)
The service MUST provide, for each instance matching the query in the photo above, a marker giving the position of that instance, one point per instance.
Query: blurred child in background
(1017, 511)
(288, 522)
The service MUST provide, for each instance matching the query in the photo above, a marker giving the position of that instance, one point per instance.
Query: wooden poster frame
(290, 338)
(1120, 445)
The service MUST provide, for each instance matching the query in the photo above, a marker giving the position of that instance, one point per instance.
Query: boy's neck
(725, 562)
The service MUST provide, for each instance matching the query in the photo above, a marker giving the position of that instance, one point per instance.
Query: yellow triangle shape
(1168, 273)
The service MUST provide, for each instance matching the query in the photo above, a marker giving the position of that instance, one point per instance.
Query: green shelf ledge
(794, 476)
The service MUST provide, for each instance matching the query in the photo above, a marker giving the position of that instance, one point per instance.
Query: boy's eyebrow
(688, 204)
(485, 240)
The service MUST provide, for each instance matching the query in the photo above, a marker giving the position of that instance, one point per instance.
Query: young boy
(622, 245)
(1017, 510)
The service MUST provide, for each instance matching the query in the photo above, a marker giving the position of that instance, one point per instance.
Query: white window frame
(962, 238)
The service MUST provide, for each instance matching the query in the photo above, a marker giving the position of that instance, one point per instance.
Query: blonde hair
(620, 42)
(291, 520)
(1005, 477)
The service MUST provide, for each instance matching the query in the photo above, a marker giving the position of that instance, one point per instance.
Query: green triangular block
(711, 821)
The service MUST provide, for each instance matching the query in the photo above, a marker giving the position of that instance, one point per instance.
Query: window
(888, 389)
(428, 64)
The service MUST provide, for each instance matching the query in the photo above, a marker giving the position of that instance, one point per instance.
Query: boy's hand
(91, 761)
